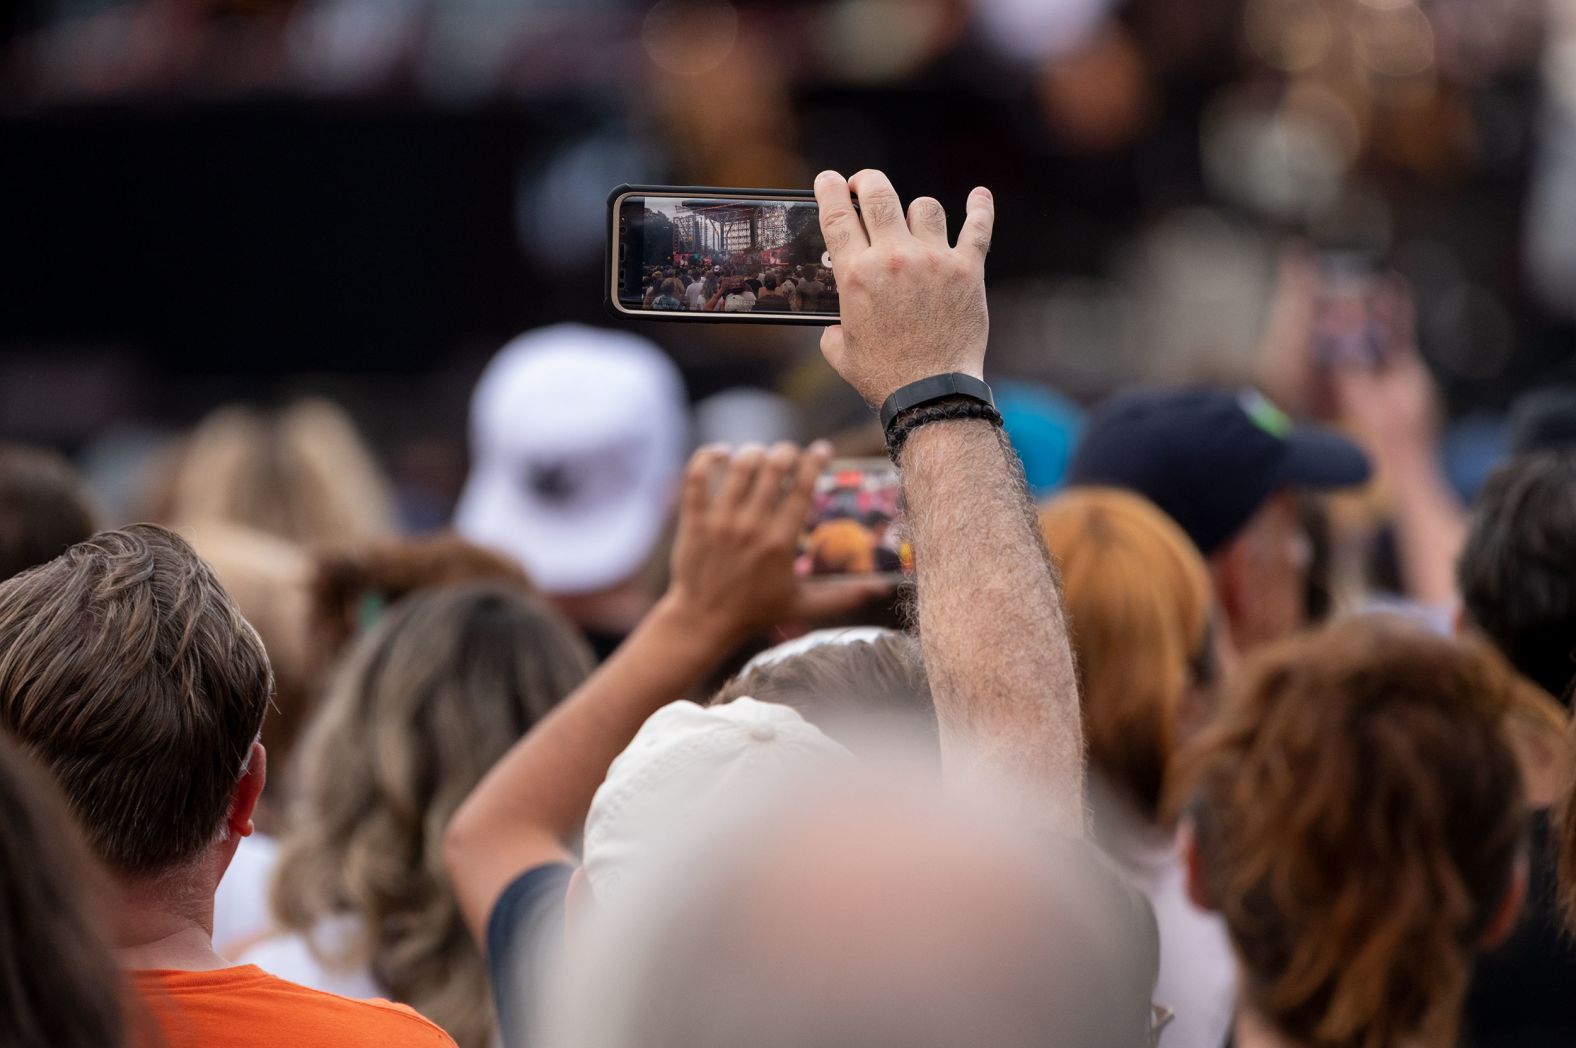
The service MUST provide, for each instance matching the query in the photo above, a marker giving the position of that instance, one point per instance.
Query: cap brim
(1321, 459)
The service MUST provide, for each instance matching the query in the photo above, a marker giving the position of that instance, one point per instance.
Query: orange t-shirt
(245, 1007)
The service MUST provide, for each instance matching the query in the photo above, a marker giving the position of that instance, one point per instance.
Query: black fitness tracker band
(940, 398)
(936, 387)
(950, 409)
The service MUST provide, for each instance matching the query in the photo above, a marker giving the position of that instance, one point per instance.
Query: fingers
(697, 480)
(795, 508)
(766, 491)
(738, 478)
(832, 346)
(879, 207)
(974, 238)
(840, 225)
(927, 220)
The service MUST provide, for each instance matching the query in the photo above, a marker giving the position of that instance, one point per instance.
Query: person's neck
(165, 921)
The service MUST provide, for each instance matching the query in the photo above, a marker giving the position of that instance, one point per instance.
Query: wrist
(877, 394)
(693, 625)
(943, 434)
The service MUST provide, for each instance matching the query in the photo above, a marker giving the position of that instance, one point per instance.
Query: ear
(247, 792)
(1503, 922)
(1193, 867)
(1232, 576)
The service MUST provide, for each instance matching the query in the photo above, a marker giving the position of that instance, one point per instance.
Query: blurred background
(205, 201)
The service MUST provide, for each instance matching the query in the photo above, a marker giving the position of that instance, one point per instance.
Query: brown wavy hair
(420, 710)
(1139, 605)
(1358, 812)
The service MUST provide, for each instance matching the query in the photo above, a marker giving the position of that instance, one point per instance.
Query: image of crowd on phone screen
(739, 286)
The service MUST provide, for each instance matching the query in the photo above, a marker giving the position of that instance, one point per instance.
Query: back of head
(44, 508)
(1358, 812)
(421, 708)
(1138, 603)
(128, 671)
(302, 473)
(1518, 569)
(354, 586)
(867, 916)
(844, 685)
(59, 986)
(1210, 458)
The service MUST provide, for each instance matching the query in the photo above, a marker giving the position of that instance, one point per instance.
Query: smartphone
(857, 527)
(729, 255)
(1348, 330)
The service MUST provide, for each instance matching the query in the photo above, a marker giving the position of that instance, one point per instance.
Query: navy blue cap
(1544, 420)
(1209, 457)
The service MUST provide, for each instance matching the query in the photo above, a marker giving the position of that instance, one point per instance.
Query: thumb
(823, 600)
(832, 347)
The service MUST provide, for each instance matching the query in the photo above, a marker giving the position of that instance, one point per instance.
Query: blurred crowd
(1206, 681)
(1204, 724)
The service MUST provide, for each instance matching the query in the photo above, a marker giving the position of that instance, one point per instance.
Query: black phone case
(611, 263)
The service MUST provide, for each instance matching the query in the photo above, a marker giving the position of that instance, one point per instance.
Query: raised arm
(1394, 412)
(990, 618)
(732, 576)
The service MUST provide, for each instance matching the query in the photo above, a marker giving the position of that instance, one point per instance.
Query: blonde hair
(420, 710)
(269, 578)
(1139, 603)
(301, 473)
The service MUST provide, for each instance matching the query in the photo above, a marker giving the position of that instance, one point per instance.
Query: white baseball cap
(578, 438)
(688, 761)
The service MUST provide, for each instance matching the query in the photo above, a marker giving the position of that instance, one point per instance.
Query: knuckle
(880, 210)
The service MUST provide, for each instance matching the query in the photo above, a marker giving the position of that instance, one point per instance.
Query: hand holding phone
(857, 527)
(913, 305)
(1351, 329)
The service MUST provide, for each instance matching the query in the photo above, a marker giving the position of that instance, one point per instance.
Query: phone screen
(1348, 332)
(723, 257)
(857, 526)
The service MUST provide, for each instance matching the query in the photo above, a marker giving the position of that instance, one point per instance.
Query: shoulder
(245, 1007)
(346, 1022)
(533, 899)
(525, 933)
